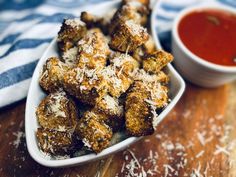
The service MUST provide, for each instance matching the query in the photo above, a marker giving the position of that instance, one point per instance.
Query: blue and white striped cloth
(28, 26)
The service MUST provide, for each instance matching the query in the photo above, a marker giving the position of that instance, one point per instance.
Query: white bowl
(194, 68)
(35, 95)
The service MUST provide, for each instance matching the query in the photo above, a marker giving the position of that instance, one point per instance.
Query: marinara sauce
(211, 35)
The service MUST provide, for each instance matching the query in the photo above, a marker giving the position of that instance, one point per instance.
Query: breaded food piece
(140, 7)
(54, 142)
(124, 63)
(93, 50)
(110, 111)
(85, 84)
(69, 57)
(136, 2)
(143, 99)
(93, 21)
(159, 95)
(71, 31)
(57, 112)
(145, 49)
(130, 10)
(118, 82)
(51, 78)
(143, 76)
(154, 84)
(95, 134)
(138, 113)
(154, 62)
(128, 36)
(120, 73)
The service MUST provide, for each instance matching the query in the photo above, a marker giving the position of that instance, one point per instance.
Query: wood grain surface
(196, 139)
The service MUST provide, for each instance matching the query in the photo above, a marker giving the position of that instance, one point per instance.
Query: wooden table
(197, 137)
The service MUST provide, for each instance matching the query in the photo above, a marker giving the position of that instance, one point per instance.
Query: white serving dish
(194, 68)
(35, 95)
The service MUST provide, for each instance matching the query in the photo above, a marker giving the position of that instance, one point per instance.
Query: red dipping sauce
(211, 35)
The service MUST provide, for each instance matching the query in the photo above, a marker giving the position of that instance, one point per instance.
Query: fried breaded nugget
(111, 112)
(93, 50)
(71, 31)
(93, 21)
(154, 84)
(57, 112)
(124, 63)
(85, 84)
(154, 62)
(138, 113)
(160, 77)
(128, 36)
(145, 96)
(140, 7)
(95, 134)
(123, 14)
(117, 81)
(159, 95)
(119, 74)
(54, 142)
(145, 49)
(51, 78)
(130, 10)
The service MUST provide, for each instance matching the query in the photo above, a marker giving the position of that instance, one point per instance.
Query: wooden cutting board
(197, 138)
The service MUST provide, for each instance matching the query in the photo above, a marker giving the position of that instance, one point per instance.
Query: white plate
(35, 95)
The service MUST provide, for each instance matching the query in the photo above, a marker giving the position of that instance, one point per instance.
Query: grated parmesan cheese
(54, 106)
(220, 149)
(86, 143)
(112, 104)
(200, 154)
(70, 56)
(136, 29)
(75, 22)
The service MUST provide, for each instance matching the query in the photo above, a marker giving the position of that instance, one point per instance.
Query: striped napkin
(28, 26)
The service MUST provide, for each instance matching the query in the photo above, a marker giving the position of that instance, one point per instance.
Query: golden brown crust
(128, 36)
(110, 111)
(86, 85)
(154, 62)
(145, 49)
(154, 84)
(93, 50)
(71, 31)
(54, 142)
(57, 112)
(95, 134)
(124, 63)
(130, 10)
(117, 82)
(138, 113)
(51, 78)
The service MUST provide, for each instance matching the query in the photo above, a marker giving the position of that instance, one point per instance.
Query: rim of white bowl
(191, 55)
